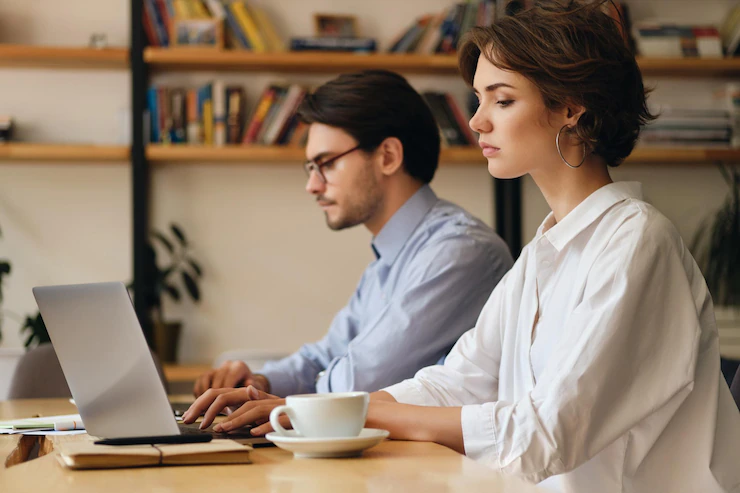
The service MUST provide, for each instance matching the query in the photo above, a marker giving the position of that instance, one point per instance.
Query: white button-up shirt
(594, 366)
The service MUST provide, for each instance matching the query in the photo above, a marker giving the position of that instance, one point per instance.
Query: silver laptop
(107, 363)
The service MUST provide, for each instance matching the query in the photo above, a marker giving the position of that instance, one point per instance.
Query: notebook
(87, 455)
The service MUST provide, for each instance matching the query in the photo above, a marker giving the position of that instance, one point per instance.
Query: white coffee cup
(336, 415)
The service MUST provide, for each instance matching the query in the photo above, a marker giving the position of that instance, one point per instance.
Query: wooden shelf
(690, 67)
(25, 56)
(63, 152)
(317, 62)
(449, 156)
(322, 62)
(270, 154)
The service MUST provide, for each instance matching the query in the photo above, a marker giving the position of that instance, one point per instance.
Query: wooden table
(392, 466)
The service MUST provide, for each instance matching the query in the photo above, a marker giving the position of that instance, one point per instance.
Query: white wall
(274, 274)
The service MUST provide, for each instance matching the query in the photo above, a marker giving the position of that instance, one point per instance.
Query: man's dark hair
(376, 104)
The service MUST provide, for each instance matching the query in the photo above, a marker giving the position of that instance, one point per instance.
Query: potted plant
(164, 282)
(4, 271)
(716, 247)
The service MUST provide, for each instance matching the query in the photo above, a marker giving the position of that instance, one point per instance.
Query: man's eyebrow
(493, 87)
(320, 156)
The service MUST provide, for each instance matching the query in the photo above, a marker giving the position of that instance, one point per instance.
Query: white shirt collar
(585, 213)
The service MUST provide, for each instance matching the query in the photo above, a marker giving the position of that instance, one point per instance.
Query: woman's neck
(564, 188)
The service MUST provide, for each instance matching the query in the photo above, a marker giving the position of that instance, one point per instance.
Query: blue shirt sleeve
(446, 285)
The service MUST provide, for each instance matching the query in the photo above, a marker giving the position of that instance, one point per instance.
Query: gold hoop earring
(557, 145)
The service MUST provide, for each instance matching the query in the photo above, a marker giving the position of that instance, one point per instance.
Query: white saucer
(303, 447)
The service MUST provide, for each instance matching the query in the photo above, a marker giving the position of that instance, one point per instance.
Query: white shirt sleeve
(627, 350)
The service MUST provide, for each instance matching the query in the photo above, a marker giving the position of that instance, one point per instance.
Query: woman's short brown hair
(575, 54)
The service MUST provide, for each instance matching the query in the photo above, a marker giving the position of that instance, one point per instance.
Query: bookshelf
(465, 156)
(25, 56)
(190, 59)
(64, 153)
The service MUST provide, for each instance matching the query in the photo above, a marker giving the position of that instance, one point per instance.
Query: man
(373, 147)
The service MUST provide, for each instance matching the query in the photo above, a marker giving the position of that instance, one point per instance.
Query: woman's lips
(488, 150)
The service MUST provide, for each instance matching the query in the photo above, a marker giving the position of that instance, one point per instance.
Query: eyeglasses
(310, 166)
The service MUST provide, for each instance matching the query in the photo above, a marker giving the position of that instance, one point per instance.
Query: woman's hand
(245, 406)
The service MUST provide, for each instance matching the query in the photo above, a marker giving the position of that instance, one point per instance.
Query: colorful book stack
(215, 115)
(684, 127)
(247, 26)
(677, 41)
(440, 33)
(453, 124)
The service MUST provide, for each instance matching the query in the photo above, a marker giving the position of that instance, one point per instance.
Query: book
(235, 104)
(87, 455)
(258, 117)
(219, 113)
(267, 29)
(248, 25)
(332, 44)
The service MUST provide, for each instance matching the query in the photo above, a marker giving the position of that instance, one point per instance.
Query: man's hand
(254, 408)
(229, 375)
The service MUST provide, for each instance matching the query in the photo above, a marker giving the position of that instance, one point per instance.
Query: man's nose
(315, 185)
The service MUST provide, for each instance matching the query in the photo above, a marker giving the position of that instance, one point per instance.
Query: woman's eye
(505, 102)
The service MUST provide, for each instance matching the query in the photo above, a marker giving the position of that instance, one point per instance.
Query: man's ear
(390, 153)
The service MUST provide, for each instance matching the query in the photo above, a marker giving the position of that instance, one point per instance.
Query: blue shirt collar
(399, 227)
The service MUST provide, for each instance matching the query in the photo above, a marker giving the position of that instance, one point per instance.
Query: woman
(594, 366)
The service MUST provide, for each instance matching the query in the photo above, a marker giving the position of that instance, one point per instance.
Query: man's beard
(361, 209)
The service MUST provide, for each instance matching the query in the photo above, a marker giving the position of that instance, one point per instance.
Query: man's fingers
(203, 383)
(232, 397)
(219, 377)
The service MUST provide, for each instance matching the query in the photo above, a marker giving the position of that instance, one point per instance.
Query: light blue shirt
(435, 267)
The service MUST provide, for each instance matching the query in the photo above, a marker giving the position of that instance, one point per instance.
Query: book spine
(219, 113)
(149, 29)
(153, 114)
(280, 93)
(293, 98)
(246, 22)
(159, 25)
(235, 28)
(235, 112)
(462, 123)
(194, 129)
(269, 32)
(263, 107)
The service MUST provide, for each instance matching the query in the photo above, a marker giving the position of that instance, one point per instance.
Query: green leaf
(191, 286)
(172, 291)
(177, 231)
(163, 239)
(196, 267)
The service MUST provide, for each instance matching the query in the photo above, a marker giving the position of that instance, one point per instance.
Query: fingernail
(202, 427)
(217, 428)
(225, 426)
(253, 392)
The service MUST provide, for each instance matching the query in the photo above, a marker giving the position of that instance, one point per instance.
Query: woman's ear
(391, 155)
(572, 114)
